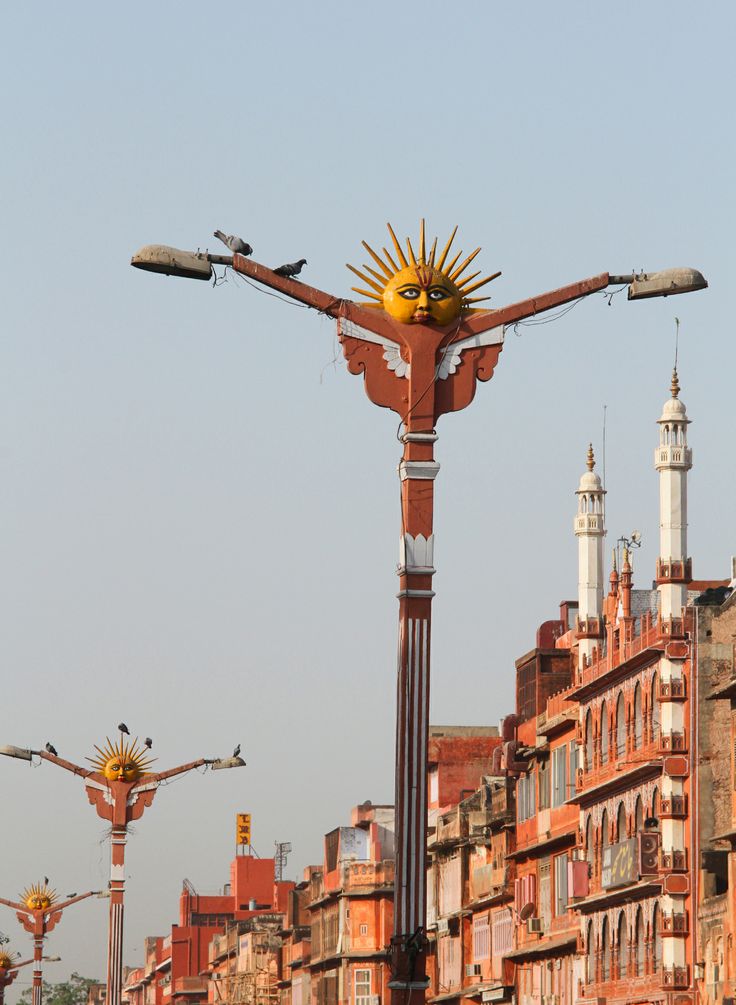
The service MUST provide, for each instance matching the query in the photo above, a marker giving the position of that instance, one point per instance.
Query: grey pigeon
(290, 270)
(236, 752)
(46, 880)
(148, 742)
(235, 244)
(123, 728)
(51, 749)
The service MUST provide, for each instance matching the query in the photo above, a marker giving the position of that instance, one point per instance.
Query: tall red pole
(37, 984)
(115, 926)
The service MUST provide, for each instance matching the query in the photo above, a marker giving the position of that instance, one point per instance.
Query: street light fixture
(420, 346)
(120, 787)
(39, 911)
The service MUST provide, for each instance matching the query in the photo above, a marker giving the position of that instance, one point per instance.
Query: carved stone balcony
(676, 978)
(673, 860)
(674, 571)
(673, 807)
(674, 923)
(672, 743)
(672, 689)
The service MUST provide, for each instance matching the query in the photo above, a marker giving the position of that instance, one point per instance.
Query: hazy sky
(199, 507)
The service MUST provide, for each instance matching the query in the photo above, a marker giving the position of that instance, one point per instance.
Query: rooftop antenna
(605, 407)
(677, 339)
(282, 851)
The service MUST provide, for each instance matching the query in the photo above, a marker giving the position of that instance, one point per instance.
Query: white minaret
(673, 459)
(590, 531)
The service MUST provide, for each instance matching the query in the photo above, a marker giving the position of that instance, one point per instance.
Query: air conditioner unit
(374, 1000)
(534, 926)
(472, 969)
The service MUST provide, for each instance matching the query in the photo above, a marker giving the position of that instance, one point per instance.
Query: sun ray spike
(466, 280)
(390, 260)
(399, 253)
(376, 275)
(422, 244)
(481, 282)
(376, 258)
(463, 267)
(446, 249)
(433, 252)
(474, 300)
(449, 268)
(412, 256)
(365, 293)
(365, 279)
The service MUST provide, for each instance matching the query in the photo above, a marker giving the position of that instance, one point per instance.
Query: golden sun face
(6, 961)
(421, 288)
(125, 761)
(39, 897)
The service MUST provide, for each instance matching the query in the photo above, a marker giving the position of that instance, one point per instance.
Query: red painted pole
(37, 985)
(115, 927)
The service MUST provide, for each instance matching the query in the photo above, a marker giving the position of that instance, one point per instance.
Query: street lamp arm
(67, 765)
(484, 320)
(73, 900)
(12, 903)
(23, 963)
(310, 296)
(161, 776)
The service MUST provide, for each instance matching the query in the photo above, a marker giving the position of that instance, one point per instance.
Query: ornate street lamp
(9, 968)
(420, 345)
(39, 911)
(120, 787)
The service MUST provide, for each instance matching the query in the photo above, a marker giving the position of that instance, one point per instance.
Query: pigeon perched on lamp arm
(51, 749)
(291, 269)
(236, 752)
(236, 244)
(123, 728)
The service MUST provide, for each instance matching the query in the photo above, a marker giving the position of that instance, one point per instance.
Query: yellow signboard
(242, 828)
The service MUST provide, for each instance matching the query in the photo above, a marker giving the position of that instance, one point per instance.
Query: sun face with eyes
(6, 962)
(121, 762)
(38, 897)
(421, 288)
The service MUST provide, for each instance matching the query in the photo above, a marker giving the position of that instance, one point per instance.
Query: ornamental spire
(591, 457)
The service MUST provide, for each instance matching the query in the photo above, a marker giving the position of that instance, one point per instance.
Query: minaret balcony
(671, 628)
(673, 807)
(672, 689)
(589, 628)
(674, 923)
(676, 978)
(672, 743)
(589, 523)
(674, 570)
(673, 456)
(673, 860)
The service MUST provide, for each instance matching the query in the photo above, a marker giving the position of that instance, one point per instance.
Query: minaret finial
(675, 385)
(614, 569)
(591, 457)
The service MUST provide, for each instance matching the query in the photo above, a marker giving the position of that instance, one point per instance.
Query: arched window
(655, 709)
(590, 956)
(604, 734)
(655, 804)
(621, 823)
(638, 718)
(623, 947)
(589, 741)
(605, 951)
(666, 435)
(657, 939)
(638, 815)
(605, 836)
(620, 725)
(639, 948)
(589, 843)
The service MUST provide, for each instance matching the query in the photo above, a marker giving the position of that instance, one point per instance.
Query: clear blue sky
(199, 511)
